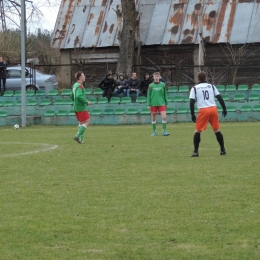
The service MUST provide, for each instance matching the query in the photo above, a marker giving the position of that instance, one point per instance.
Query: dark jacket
(2, 70)
(144, 85)
(123, 83)
(107, 83)
(133, 83)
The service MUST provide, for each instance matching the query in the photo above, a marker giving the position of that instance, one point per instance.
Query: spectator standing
(145, 84)
(2, 74)
(122, 85)
(108, 85)
(157, 102)
(205, 94)
(78, 95)
(133, 85)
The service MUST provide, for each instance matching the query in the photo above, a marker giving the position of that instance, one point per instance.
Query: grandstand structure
(243, 104)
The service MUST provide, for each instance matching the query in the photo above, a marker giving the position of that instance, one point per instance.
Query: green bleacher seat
(231, 108)
(62, 113)
(49, 113)
(256, 108)
(65, 92)
(8, 103)
(58, 102)
(225, 97)
(170, 110)
(108, 111)
(170, 99)
(96, 112)
(114, 100)
(71, 113)
(8, 93)
(230, 88)
(246, 108)
(98, 91)
(1, 103)
(45, 102)
(18, 93)
(242, 87)
(219, 108)
(172, 89)
(132, 111)
(220, 88)
(30, 93)
(253, 97)
(18, 103)
(102, 100)
(53, 92)
(183, 89)
(67, 101)
(141, 100)
(256, 87)
(178, 99)
(92, 100)
(3, 113)
(32, 103)
(182, 110)
(88, 91)
(40, 93)
(239, 97)
(187, 99)
(120, 111)
(125, 100)
(145, 111)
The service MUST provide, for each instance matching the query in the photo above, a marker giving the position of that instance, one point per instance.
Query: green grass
(126, 195)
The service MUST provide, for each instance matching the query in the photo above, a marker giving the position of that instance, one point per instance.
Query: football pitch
(126, 195)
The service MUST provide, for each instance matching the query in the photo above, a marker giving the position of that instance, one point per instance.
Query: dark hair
(202, 76)
(78, 74)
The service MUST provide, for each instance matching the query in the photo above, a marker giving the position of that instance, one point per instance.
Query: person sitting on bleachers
(122, 85)
(133, 87)
(145, 84)
(108, 85)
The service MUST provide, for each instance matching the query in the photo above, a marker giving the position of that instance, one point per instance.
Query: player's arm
(80, 95)
(192, 104)
(72, 95)
(222, 103)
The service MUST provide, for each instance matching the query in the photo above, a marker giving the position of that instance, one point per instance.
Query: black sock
(220, 139)
(196, 142)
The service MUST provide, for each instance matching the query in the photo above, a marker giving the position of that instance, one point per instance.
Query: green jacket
(78, 96)
(157, 95)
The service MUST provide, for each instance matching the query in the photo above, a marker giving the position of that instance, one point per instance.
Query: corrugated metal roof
(93, 23)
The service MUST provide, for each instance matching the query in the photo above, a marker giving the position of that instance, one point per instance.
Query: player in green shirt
(157, 101)
(78, 96)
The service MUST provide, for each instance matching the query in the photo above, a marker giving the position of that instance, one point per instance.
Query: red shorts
(158, 109)
(82, 116)
(205, 116)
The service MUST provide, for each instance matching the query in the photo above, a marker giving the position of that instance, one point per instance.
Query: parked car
(35, 79)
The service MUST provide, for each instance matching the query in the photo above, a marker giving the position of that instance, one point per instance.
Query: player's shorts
(205, 116)
(159, 109)
(82, 116)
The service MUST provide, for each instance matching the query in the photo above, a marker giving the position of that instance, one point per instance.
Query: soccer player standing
(78, 96)
(205, 94)
(157, 101)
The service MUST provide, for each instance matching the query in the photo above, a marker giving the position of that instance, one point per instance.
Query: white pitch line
(47, 147)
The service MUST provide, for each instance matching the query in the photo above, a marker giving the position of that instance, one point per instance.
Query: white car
(35, 79)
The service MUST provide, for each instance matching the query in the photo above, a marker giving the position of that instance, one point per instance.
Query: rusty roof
(93, 23)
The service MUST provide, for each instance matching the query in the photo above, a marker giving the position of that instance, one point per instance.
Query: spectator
(108, 85)
(122, 85)
(145, 84)
(162, 79)
(2, 74)
(133, 85)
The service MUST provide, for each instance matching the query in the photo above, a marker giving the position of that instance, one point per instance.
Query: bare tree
(126, 36)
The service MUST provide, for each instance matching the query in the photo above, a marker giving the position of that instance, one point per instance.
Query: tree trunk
(126, 38)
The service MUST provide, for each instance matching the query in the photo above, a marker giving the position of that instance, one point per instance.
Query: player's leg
(162, 111)
(4, 82)
(214, 122)
(84, 121)
(201, 124)
(153, 115)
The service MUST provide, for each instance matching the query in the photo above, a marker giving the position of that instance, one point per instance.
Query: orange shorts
(205, 116)
(159, 109)
(82, 116)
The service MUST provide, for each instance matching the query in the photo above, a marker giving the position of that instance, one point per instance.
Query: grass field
(126, 195)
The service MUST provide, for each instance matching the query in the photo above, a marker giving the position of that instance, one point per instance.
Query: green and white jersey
(157, 95)
(78, 96)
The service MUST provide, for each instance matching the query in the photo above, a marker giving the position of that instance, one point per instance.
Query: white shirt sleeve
(192, 93)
